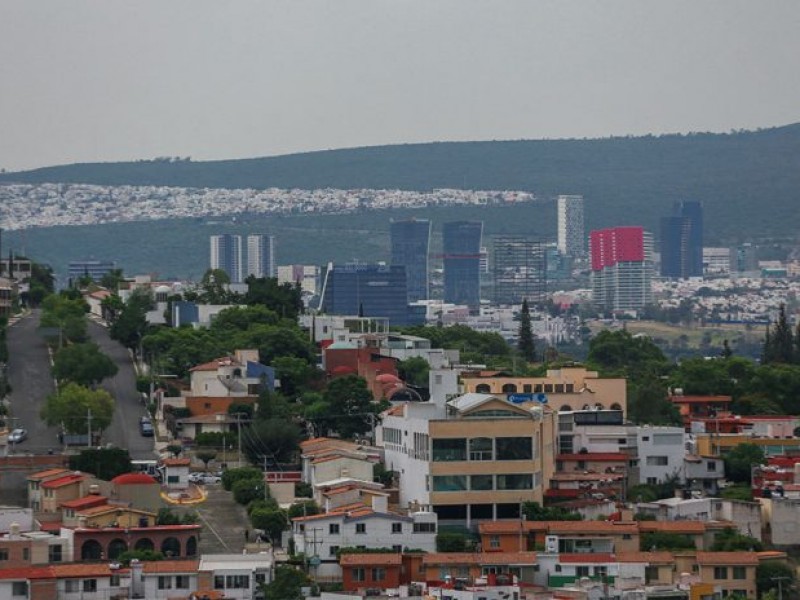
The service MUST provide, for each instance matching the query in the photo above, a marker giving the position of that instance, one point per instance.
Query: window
(173, 479)
(397, 528)
(358, 574)
(333, 550)
(90, 585)
(333, 529)
(582, 571)
(72, 585)
(3, 553)
(26, 554)
(657, 461)
(570, 388)
(164, 582)
(652, 481)
(219, 582)
(378, 574)
(261, 578)
(449, 483)
(514, 448)
(650, 574)
(19, 588)
(481, 483)
(739, 573)
(711, 465)
(494, 541)
(645, 438)
(515, 482)
(480, 449)
(527, 388)
(601, 571)
(114, 581)
(237, 582)
(54, 553)
(182, 582)
(448, 450)
(720, 572)
(361, 528)
(424, 527)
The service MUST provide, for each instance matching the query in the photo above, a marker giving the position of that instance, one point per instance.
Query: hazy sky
(108, 80)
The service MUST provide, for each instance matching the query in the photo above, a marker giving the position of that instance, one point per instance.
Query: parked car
(196, 477)
(210, 478)
(18, 435)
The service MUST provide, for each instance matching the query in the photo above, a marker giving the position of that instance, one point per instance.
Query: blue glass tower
(410, 245)
(461, 242)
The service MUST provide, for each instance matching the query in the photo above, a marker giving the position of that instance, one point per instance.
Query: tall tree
(82, 363)
(782, 338)
(526, 344)
(351, 405)
(72, 404)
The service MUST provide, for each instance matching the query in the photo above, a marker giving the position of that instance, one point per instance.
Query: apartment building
(473, 457)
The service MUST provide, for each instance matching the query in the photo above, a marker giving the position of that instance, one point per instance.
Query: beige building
(477, 459)
(565, 389)
(733, 572)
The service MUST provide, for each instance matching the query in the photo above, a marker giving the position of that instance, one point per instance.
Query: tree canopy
(71, 404)
(83, 364)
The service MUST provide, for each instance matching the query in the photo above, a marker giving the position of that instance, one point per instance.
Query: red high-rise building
(621, 268)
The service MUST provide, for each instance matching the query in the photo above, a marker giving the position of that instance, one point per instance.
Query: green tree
(352, 405)
(303, 509)
(83, 364)
(112, 279)
(525, 343)
(451, 541)
(620, 353)
(657, 540)
(769, 572)
(648, 404)
(740, 460)
(284, 299)
(287, 584)
(206, 455)
(213, 287)
(534, 511)
(414, 371)
(231, 476)
(779, 343)
(72, 403)
(241, 318)
(141, 555)
(294, 373)
(273, 522)
(103, 463)
(277, 439)
(247, 490)
(130, 325)
(730, 540)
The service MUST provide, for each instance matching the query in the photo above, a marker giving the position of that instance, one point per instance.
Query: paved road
(31, 383)
(124, 429)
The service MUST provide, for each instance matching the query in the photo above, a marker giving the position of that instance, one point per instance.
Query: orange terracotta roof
(587, 477)
(508, 526)
(62, 481)
(591, 527)
(82, 570)
(479, 558)
(771, 555)
(207, 595)
(20, 573)
(376, 558)
(693, 527)
(213, 365)
(727, 558)
(645, 557)
(48, 473)
(85, 502)
(595, 456)
(586, 557)
(171, 566)
(699, 399)
(176, 462)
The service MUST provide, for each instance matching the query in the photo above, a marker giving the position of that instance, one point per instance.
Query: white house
(238, 576)
(359, 526)
(661, 451)
(176, 472)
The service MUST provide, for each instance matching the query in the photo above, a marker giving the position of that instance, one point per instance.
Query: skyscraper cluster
(226, 255)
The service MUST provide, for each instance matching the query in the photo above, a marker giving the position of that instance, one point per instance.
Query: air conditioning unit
(551, 544)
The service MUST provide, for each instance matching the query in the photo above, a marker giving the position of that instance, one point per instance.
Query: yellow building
(716, 444)
(565, 389)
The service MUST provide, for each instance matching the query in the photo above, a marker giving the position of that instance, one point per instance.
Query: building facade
(621, 268)
(410, 246)
(571, 228)
(95, 269)
(461, 243)
(226, 255)
(682, 241)
(520, 270)
(261, 255)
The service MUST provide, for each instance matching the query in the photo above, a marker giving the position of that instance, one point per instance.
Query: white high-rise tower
(571, 229)
(261, 255)
(226, 254)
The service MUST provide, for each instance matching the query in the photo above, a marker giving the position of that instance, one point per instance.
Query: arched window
(91, 550)
(509, 388)
(565, 408)
(598, 406)
(144, 544)
(171, 547)
(616, 406)
(237, 372)
(483, 388)
(191, 546)
(116, 547)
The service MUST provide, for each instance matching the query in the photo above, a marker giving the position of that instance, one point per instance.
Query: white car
(210, 478)
(196, 477)
(17, 436)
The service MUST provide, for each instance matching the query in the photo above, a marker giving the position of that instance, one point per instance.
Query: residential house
(470, 566)
(370, 571)
(734, 572)
(237, 576)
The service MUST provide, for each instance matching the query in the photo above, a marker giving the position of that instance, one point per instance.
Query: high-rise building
(410, 244)
(226, 255)
(461, 242)
(95, 269)
(520, 270)
(682, 241)
(571, 228)
(621, 268)
(369, 290)
(261, 255)
(744, 258)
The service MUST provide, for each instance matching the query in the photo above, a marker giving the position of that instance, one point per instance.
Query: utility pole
(264, 477)
(89, 426)
(239, 437)
(780, 581)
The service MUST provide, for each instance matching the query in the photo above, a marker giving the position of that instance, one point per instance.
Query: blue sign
(520, 398)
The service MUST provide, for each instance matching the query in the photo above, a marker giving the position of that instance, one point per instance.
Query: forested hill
(749, 181)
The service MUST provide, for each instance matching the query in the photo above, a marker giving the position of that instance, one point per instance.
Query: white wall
(151, 586)
(655, 444)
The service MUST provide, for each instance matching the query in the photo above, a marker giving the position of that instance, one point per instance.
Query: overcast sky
(109, 80)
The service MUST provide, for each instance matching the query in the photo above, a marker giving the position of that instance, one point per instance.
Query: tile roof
(672, 526)
(727, 558)
(65, 480)
(82, 570)
(171, 566)
(595, 456)
(645, 557)
(587, 476)
(586, 557)
(479, 558)
(85, 502)
(375, 558)
(587, 527)
(19, 573)
(699, 399)
(47, 473)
